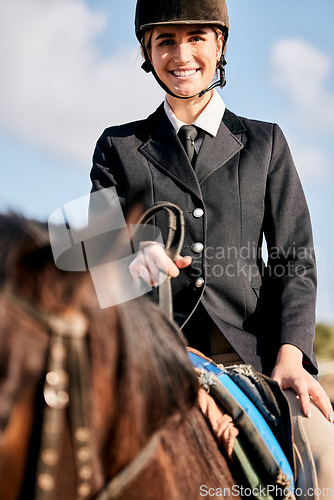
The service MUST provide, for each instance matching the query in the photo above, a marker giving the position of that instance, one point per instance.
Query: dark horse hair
(141, 382)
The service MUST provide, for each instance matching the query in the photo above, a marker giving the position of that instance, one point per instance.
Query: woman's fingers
(182, 262)
(313, 390)
(304, 399)
(321, 399)
(290, 373)
(152, 263)
(307, 388)
(139, 270)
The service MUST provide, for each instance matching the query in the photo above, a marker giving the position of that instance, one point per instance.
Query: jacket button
(197, 247)
(199, 282)
(198, 213)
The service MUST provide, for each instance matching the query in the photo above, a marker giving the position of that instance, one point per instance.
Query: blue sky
(70, 68)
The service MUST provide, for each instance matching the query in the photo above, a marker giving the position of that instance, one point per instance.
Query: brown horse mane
(141, 376)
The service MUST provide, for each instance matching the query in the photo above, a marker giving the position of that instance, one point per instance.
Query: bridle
(68, 377)
(65, 386)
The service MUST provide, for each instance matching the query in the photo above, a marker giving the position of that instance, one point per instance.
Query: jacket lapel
(162, 147)
(217, 151)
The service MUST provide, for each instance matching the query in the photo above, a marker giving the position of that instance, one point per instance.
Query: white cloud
(56, 90)
(301, 71)
(311, 162)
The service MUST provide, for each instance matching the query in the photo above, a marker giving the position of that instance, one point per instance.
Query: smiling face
(185, 56)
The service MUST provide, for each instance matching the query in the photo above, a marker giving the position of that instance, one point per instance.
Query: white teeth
(185, 73)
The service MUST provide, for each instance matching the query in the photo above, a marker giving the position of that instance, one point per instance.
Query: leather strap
(66, 385)
(131, 471)
(173, 245)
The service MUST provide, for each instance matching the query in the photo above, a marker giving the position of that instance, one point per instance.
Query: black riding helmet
(151, 13)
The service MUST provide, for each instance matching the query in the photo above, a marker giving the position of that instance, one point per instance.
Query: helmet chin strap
(222, 79)
(148, 67)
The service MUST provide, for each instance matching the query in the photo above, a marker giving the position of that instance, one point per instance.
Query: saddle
(263, 453)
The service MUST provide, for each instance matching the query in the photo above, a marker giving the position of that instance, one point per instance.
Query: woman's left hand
(290, 374)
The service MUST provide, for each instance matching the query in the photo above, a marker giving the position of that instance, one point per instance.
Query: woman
(236, 183)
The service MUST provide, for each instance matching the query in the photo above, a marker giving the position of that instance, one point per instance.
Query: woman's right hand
(152, 260)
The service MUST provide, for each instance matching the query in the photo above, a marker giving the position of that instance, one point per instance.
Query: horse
(148, 439)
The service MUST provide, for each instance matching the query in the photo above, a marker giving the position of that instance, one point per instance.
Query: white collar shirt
(208, 121)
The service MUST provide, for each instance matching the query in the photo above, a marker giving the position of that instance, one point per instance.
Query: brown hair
(147, 37)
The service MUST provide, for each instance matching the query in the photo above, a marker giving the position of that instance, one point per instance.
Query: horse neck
(152, 380)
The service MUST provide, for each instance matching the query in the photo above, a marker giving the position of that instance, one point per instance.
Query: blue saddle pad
(265, 434)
